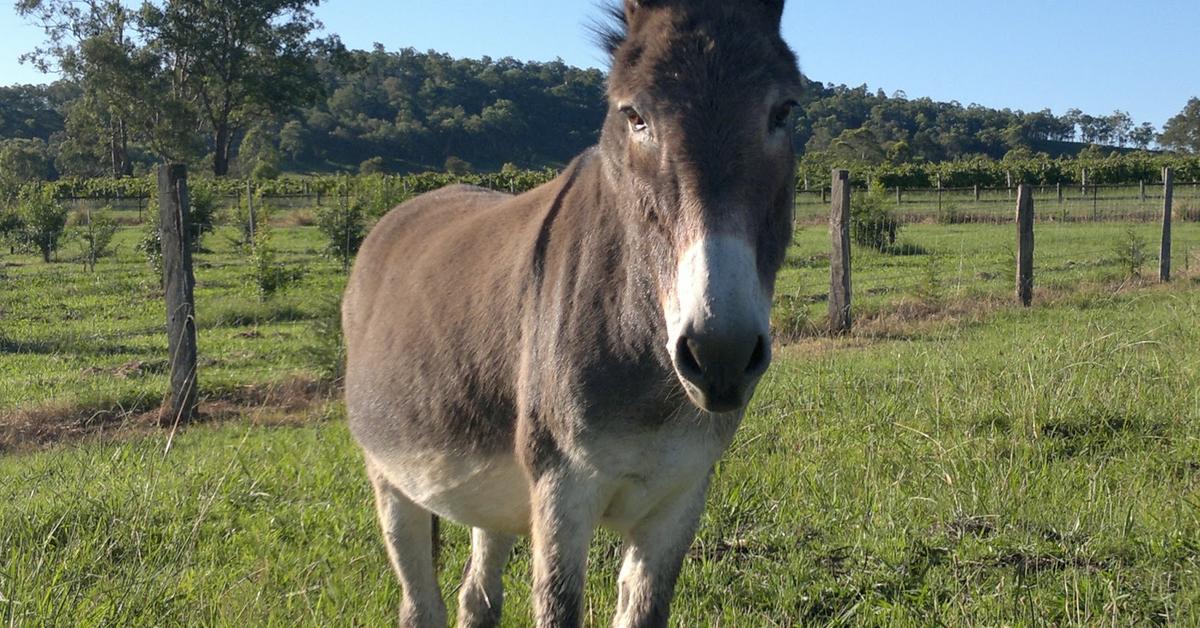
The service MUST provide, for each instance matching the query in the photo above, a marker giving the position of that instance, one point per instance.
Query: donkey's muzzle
(719, 371)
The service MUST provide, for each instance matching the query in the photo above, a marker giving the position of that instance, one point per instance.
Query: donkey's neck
(602, 265)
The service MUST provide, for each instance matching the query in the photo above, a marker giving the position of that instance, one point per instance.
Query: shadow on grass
(243, 313)
(68, 345)
(282, 403)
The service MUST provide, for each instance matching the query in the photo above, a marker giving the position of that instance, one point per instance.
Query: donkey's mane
(610, 30)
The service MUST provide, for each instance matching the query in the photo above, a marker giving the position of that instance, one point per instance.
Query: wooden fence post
(1025, 244)
(178, 286)
(839, 255)
(250, 208)
(939, 189)
(1142, 190)
(1164, 251)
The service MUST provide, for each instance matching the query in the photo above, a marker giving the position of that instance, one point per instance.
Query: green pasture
(968, 463)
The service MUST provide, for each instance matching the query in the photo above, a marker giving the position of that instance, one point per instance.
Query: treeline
(873, 127)
(382, 111)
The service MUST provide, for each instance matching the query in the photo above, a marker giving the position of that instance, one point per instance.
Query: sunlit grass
(1019, 467)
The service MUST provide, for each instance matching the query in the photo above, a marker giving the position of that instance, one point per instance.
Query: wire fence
(947, 245)
(951, 243)
(1052, 203)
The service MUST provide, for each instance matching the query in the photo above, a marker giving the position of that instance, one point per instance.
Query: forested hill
(408, 110)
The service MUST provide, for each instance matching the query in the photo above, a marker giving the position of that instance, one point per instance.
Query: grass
(1007, 467)
(67, 334)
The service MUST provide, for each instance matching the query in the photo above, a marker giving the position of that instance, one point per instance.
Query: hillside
(408, 111)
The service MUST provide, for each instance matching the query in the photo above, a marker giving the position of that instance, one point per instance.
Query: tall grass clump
(1131, 252)
(872, 224)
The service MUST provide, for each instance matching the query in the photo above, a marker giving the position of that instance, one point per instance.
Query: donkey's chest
(637, 473)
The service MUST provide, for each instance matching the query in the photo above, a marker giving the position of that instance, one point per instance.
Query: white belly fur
(631, 475)
(490, 493)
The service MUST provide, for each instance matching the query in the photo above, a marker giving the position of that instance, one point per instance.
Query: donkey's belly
(484, 492)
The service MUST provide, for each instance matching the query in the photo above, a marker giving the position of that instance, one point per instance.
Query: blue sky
(1098, 55)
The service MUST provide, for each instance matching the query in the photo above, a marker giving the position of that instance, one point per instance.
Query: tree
(1143, 135)
(1121, 125)
(176, 71)
(1182, 132)
(25, 160)
(130, 90)
(241, 60)
(81, 37)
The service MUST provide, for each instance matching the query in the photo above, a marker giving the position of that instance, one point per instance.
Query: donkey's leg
(654, 552)
(564, 518)
(407, 532)
(482, 593)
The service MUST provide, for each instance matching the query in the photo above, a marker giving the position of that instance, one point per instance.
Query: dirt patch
(904, 319)
(286, 403)
(963, 526)
(908, 318)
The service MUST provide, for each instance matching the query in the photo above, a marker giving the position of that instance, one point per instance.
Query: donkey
(581, 354)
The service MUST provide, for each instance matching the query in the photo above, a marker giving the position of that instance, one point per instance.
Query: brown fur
(480, 324)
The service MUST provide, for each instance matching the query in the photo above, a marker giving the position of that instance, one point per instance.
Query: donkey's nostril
(686, 360)
(759, 359)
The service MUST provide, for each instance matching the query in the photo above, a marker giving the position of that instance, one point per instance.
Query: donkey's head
(699, 132)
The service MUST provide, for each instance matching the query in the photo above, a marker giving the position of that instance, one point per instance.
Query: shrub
(931, 288)
(344, 227)
(950, 216)
(326, 349)
(789, 318)
(268, 275)
(1131, 253)
(10, 223)
(456, 165)
(151, 247)
(240, 216)
(95, 237)
(373, 165)
(265, 170)
(871, 222)
(202, 213)
(40, 222)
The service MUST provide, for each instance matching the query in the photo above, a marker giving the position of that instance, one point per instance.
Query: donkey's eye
(635, 119)
(781, 115)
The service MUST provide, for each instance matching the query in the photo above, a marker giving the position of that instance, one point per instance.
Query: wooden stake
(1164, 251)
(1025, 244)
(839, 256)
(178, 286)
